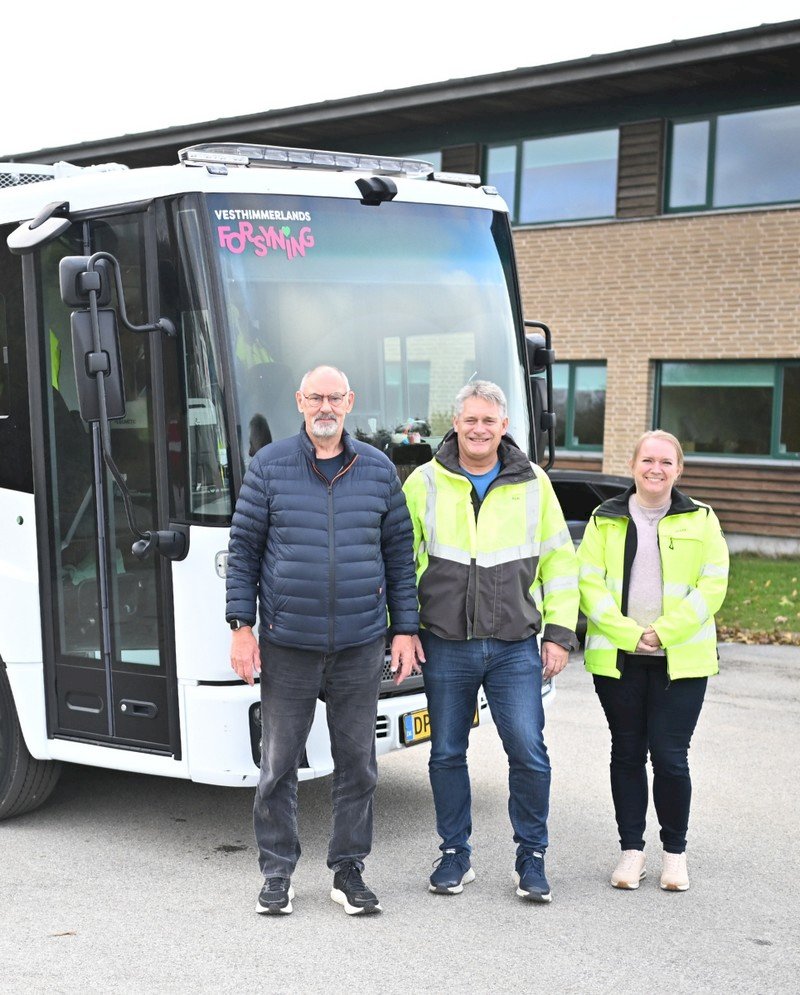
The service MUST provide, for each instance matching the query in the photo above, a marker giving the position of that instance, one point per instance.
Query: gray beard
(324, 429)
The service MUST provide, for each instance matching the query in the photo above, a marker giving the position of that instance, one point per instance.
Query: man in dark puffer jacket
(322, 535)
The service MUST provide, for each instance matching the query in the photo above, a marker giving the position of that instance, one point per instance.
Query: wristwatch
(237, 623)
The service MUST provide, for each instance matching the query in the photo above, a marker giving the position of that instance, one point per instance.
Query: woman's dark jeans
(647, 711)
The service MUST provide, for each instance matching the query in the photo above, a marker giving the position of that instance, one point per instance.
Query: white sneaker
(674, 875)
(630, 870)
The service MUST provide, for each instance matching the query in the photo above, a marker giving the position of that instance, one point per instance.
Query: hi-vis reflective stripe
(507, 555)
(554, 542)
(430, 501)
(494, 558)
(599, 643)
(676, 590)
(445, 552)
(713, 570)
(587, 569)
(699, 606)
(602, 607)
(707, 634)
(532, 509)
(683, 592)
(560, 584)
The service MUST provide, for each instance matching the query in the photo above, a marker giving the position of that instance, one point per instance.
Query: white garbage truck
(154, 325)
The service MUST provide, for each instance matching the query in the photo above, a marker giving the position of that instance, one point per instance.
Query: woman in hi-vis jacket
(653, 572)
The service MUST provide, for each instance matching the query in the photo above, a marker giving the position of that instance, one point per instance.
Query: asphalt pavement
(127, 883)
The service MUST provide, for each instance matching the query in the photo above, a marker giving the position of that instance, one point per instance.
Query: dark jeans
(290, 683)
(511, 675)
(647, 711)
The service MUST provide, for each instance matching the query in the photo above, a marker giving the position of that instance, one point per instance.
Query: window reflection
(689, 164)
(723, 408)
(756, 157)
(569, 177)
(752, 157)
(404, 300)
(579, 397)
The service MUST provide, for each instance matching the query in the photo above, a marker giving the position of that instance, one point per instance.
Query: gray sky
(99, 69)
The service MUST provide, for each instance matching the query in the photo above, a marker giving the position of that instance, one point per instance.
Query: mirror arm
(98, 364)
(88, 283)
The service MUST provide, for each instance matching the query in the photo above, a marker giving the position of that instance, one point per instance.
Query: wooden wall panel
(640, 169)
(748, 499)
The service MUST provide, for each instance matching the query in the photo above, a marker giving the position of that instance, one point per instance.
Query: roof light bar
(463, 179)
(234, 154)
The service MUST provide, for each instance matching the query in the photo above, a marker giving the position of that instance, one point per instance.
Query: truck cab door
(109, 658)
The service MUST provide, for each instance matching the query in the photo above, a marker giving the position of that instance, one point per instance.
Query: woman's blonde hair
(658, 434)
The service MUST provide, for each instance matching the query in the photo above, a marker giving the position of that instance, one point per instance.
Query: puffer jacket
(326, 559)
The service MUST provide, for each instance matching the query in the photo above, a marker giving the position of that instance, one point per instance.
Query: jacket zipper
(331, 547)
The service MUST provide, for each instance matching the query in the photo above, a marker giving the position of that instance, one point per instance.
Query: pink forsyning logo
(264, 239)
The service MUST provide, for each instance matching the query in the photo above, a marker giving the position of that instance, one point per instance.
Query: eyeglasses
(335, 400)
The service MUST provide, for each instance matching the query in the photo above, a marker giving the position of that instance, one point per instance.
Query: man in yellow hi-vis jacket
(495, 568)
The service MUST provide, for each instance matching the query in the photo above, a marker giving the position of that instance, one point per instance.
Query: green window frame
(579, 396)
(568, 177)
(742, 158)
(742, 408)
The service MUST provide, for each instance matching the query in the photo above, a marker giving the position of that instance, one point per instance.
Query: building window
(561, 178)
(735, 408)
(434, 158)
(735, 160)
(579, 397)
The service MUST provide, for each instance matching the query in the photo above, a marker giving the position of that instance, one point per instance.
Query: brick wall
(712, 286)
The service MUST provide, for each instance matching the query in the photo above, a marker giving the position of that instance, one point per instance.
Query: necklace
(652, 515)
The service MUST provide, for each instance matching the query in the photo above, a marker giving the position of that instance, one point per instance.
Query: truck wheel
(24, 782)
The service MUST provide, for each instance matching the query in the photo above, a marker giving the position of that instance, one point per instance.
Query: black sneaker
(276, 897)
(350, 891)
(529, 878)
(453, 871)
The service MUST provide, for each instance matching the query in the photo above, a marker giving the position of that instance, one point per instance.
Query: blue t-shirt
(330, 467)
(481, 481)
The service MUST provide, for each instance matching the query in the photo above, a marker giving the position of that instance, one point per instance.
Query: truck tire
(24, 782)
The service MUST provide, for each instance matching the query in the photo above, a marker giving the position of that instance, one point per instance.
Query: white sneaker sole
(353, 910)
(455, 889)
(671, 886)
(284, 911)
(628, 885)
(532, 896)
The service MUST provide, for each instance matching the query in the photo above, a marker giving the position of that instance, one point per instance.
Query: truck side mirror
(541, 356)
(75, 281)
(90, 364)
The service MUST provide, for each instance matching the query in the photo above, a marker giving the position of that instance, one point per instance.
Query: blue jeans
(511, 675)
(647, 711)
(291, 680)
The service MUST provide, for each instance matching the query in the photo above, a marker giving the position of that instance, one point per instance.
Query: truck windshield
(411, 301)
